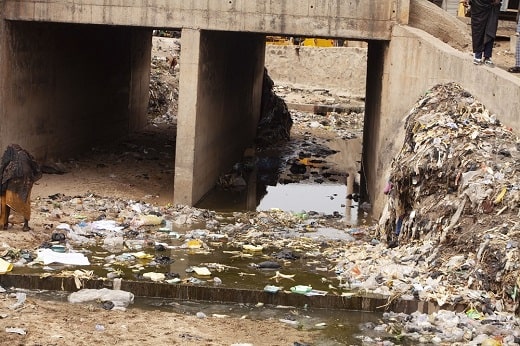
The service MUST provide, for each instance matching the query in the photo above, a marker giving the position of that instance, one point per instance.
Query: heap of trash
(454, 193)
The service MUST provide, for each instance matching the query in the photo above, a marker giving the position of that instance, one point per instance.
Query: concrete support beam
(413, 63)
(220, 94)
(328, 18)
(67, 87)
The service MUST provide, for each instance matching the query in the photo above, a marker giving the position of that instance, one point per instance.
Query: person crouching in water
(18, 171)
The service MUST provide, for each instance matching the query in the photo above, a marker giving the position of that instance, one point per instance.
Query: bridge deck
(317, 18)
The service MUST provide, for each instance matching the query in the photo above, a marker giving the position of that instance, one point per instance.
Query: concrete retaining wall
(413, 63)
(339, 68)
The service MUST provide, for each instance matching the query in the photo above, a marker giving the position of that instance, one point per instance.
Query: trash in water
(300, 289)
(5, 266)
(48, 256)
(154, 276)
(271, 289)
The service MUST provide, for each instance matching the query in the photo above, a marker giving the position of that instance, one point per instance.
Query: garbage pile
(453, 195)
(275, 121)
(164, 83)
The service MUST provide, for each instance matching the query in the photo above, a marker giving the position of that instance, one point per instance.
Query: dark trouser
(488, 50)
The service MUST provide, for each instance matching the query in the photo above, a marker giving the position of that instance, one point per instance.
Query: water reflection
(328, 181)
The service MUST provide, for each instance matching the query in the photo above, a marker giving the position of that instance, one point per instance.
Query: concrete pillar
(66, 88)
(371, 166)
(220, 93)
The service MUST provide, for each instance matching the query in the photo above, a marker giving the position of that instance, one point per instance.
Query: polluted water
(306, 175)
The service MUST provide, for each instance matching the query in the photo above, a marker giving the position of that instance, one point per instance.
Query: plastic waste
(5, 266)
(118, 297)
(271, 288)
(491, 342)
(106, 225)
(20, 301)
(134, 244)
(194, 244)
(301, 289)
(155, 276)
(250, 247)
(58, 248)
(113, 242)
(150, 220)
(202, 271)
(47, 256)
(20, 331)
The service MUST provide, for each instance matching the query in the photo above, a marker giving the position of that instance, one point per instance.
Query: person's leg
(488, 49)
(488, 52)
(6, 210)
(26, 225)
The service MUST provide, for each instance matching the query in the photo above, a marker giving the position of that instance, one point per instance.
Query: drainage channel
(179, 292)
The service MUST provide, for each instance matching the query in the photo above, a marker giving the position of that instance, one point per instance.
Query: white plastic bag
(120, 298)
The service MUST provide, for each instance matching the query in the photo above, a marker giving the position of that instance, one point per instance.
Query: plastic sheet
(118, 297)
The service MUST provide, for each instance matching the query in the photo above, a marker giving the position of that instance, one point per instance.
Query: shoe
(489, 62)
(477, 61)
(514, 69)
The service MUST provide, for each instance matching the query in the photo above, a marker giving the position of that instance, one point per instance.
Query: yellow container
(318, 42)
(5, 266)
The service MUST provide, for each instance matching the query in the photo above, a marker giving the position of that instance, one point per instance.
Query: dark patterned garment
(18, 170)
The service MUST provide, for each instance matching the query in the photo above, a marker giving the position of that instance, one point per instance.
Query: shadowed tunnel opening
(98, 105)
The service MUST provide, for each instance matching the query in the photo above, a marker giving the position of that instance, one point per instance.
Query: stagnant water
(328, 184)
(334, 327)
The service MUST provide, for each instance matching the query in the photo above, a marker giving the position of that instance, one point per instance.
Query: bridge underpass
(56, 60)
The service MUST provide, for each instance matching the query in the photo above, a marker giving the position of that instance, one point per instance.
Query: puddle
(306, 175)
(234, 267)
(297, 198)
(334, 327)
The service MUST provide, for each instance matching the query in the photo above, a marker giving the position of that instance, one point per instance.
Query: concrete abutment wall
(413, 63)
(221, 92)
(67, 87)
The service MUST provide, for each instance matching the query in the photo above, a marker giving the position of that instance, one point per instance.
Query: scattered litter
(47, 256)
(272, 289)
(300, 289)
(118, 297)
(154, 276)
(20, 297)
(5, 266)
(14, 330)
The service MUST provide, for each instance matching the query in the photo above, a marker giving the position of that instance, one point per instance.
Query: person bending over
(18, 171)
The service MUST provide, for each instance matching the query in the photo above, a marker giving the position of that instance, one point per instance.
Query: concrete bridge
(75, 73)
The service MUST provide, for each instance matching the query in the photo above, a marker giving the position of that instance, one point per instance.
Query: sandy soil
(61, 323)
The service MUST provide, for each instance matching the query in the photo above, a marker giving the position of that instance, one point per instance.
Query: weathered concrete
(221, 83)
(412, 63)
(327, 18)
(65, 87)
